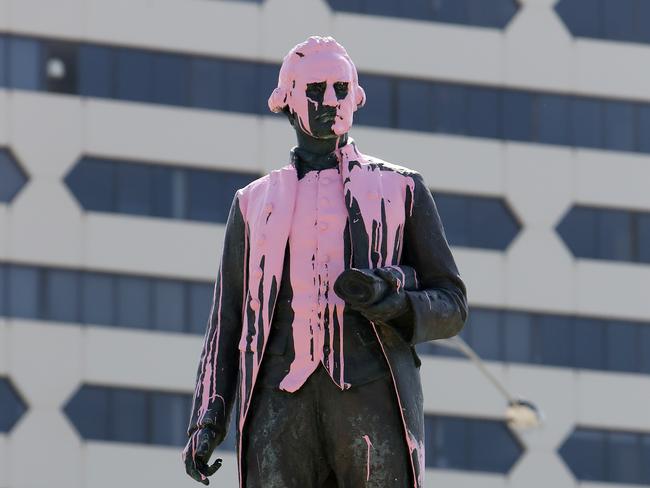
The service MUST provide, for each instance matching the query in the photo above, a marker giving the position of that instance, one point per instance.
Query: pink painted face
(322, 98)
(318, 83)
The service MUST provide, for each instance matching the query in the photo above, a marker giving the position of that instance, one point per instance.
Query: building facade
(127, 125)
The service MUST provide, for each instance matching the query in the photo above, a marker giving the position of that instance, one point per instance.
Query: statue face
(321, 98)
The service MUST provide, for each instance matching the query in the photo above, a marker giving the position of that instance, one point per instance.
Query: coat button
(323, 226)
(257, 274)
(255, 304)
(261, 240)
(268, 208)
(326, 258)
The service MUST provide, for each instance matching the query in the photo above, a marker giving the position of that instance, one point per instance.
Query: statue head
(319, 88)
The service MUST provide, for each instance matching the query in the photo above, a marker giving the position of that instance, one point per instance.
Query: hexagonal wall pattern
(12, 177)
(12, 406)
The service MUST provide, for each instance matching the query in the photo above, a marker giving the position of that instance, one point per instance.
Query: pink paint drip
(367, 439)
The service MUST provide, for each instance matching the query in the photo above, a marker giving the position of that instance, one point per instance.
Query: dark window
(4, 78)
(451, 11)
(589, 343)
(454, 212)
(89, 411)
(92, 182)
(4, 309)
(128, 416)
(619, 126)
(553, 119)
(622, 341)
(582, 17)
(210, 193)
(240, 87)
(492, 447)
(491, 224)
(578, 229)
(99, 299)
(644, 348)
(134, 75)
(615, 235)
(169, 418)
(379, 101)
(642, 34)
(207, 83)
(624, 459)
(171, 79)
(268, 81)
(169, 305)
(133, 189)
(414, 105)
(383, 7)
(556, 340)
(24, 292)
(60, 67)
(96, 71)
(618, 17)
(200, 303)
(417, 9)
(584, 453)
(496, 13)
(24, 64)
(485, 334)
(517, 332)
(446, 440)
(450, 108)
(133, 302)
(12, 406)
(62, 295)
(643, 237)
(517, 115)
(483, 112)
(644, 124)
(12, 178)
(587, 122)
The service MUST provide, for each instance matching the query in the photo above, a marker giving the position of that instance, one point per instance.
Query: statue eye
(316, 87)
(341, 86)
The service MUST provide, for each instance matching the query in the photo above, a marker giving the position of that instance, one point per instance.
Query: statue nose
(330, 96)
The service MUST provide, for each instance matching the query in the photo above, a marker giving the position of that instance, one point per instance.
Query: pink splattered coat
(393, 220)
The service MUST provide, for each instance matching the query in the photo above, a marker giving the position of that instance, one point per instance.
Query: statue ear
(361, 96)
(278, 100)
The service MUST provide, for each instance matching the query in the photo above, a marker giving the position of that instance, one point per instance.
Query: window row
(400, 103)
(482, 13)
(611, 234)
(156, 190)
(134, 416)
(12, 177)
(615, 20)
(469, 444)
(554, 340)
(473, 221)
(607, 455)
(109, 299)
(12, 406)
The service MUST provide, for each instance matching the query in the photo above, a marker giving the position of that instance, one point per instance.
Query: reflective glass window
(200, 303)
(622, 341)
(134, 75)
(642, 34)
(62, 295)
(4, 309)
(240, 86)
(89, 412)
(204, 188)
(582, 17)
(133, 302)
(4, 78)
(133, 189)
(619, 19)
(207, 83)
(450, 108)
(12, 406)
(12, 178)
(24, 292)
(60, 67)
(414, 106)
(624, 458)
(589, 343)
(169, 418)
(384, 7)
(268, 81)
(449, 437)
(483, 112)
(491, 224)
(615, 235)
(99, 299)
(585, 453)
(587, 122)
(96, 68)
(162, 191)
(517, 336)
(643, 237)
(378, 110)
(620, 127)
(553, 119)
(485, 333)
(556, 336)
(169, 305)
(494, 14)
(517, 115)
(643, 121)
(454, 212)
(417, 9)
(128, 415)
(579, 229)
(92, 182)
(451, 11)
(493, 449)
(25, 60)
(171, 79)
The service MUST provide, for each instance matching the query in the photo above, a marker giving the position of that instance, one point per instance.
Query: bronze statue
(333, 268)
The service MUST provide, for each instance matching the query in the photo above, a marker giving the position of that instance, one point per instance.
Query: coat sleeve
(216, 378)
(438, 308)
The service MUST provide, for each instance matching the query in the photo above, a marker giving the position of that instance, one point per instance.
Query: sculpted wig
(315, 60)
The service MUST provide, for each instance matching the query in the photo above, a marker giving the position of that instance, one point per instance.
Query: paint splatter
(367, 439)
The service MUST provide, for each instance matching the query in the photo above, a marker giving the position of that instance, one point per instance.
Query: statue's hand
(393, 304)
(197, 453)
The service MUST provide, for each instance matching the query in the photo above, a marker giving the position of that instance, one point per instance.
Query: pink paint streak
(367, 439)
